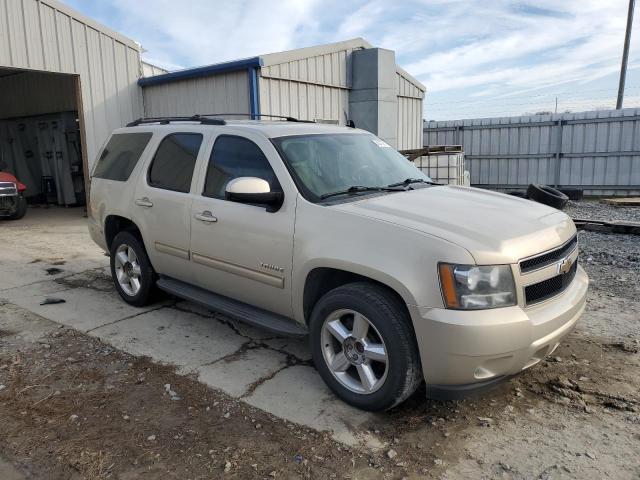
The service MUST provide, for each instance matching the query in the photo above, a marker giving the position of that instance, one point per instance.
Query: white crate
(443, 167)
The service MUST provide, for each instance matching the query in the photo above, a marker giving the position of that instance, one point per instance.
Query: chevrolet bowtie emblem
(565, 265)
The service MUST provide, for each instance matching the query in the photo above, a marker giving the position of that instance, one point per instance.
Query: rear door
(162, 202)
(239, 250)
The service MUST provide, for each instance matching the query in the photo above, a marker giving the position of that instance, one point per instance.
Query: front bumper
(467, 351)
(8, 204)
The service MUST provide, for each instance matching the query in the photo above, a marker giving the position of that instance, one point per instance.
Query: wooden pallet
(431, 150)
(622, 202)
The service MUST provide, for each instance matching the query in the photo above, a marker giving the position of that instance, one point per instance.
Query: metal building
(62, 76)
(342, 81)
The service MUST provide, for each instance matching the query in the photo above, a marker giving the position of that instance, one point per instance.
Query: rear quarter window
(120, 156)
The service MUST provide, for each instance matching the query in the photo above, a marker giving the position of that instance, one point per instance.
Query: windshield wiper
(361, 188)
(409, 181)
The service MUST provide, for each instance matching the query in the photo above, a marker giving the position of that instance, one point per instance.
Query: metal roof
(205, 71)
(266, 60)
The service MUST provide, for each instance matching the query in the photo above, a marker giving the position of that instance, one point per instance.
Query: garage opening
(41, 138)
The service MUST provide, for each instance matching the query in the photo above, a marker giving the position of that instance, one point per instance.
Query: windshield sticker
(380, 143)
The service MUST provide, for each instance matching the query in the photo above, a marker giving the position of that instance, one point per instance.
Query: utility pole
(625, 55)
(556, 105)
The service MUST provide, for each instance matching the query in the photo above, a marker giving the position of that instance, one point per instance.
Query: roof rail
(167, 120)
(253, 115)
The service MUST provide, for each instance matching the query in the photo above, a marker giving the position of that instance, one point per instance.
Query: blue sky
(477, 59)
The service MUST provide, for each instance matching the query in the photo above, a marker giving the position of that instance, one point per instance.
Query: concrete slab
(13, 319)
(298, 394)
(174, 337)
(84, 309)
(297, 347)
(238, 374)
(9, 472)
(46, 238)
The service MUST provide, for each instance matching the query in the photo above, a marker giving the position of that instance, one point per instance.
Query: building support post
(254, 103)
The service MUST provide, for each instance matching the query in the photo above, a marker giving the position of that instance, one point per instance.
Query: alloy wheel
(354, 351)
(128, 270)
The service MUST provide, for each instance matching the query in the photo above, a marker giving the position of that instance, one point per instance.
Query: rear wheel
(364, 347)
(132, 273)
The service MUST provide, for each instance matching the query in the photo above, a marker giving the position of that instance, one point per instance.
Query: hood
(494, 228)
(7, 177)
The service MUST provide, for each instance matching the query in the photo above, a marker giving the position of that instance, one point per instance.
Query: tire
(547, 195)
(146, 276)
(21, 209)
(389, 322)
(573, 193)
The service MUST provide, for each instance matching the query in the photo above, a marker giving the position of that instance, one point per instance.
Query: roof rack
(166, 120)
(253, 115)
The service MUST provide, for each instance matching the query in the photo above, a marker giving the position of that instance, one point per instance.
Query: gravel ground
(594, 210)
(611, 260)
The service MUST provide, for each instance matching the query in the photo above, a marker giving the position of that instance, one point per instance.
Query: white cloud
(200, 32)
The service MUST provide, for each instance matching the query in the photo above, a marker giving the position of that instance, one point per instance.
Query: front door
(238, 250)
(163, 200)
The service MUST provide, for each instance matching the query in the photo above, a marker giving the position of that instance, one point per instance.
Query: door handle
(144, 202)
(206, 217)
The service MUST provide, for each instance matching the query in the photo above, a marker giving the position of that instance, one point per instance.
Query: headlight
(471, 287)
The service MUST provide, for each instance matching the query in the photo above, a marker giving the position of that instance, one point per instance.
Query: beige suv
(303, 228)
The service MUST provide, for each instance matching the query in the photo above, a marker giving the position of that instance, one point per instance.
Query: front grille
(541, 291)
(548, 258)
(8, 188)
(7, 203)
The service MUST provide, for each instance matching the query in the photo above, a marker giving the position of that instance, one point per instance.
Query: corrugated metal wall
(48, 36)
(409, 114)
(313, 88)
(598, 151)
(223, 93)
(34, 93)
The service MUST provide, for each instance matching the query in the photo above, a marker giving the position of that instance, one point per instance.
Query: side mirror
(253, 190)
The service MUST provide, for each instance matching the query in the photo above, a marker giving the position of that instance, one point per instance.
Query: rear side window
(234, 157)
(121, 155)
(174, 161)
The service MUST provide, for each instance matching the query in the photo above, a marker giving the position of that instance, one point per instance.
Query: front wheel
(363, 346)
(132, 273)
(21, 209)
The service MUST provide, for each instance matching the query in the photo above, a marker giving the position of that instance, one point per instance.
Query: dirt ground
(72, 406)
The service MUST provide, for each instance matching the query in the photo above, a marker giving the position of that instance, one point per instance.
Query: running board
(233, 308)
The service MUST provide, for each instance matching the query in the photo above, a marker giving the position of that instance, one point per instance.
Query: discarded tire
(547, 195)
(573, 193)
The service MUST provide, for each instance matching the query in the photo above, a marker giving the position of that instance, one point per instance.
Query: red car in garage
(13, 205)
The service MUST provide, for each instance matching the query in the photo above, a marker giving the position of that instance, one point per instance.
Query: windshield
(327, 163)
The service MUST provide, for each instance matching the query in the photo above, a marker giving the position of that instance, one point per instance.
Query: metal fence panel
(597, 151)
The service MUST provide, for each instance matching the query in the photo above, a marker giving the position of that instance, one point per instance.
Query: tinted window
(121, 155)
(173, 164)
(234, 157)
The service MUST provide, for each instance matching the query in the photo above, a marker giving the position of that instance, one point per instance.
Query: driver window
(234, 157)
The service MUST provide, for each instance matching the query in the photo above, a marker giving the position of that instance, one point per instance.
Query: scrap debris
(52, 301)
